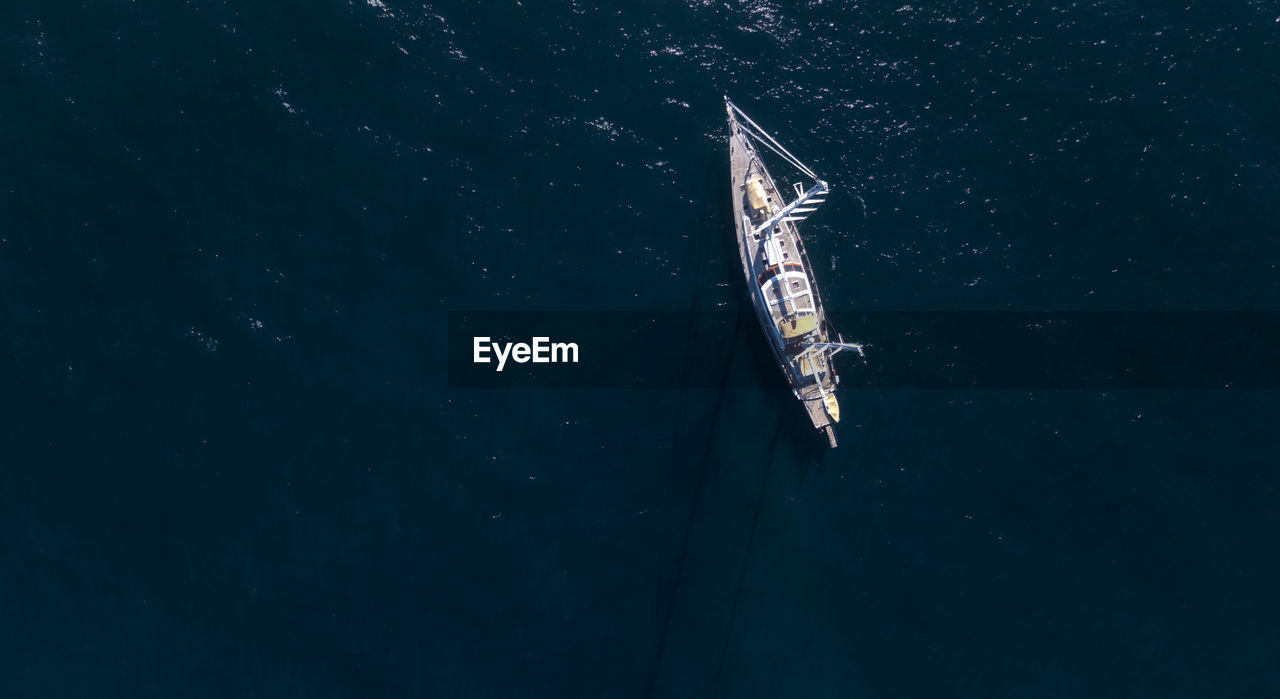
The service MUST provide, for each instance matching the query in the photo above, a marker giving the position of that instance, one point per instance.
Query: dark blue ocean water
(232, 233)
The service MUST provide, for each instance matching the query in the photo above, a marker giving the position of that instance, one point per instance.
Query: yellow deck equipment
(795, 327)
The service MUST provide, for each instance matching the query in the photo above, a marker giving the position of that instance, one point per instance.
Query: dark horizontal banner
(916, 350)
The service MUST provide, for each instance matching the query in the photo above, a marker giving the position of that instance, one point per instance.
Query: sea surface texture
(232, 464)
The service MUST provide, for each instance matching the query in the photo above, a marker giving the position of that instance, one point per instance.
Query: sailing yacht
(779, 274)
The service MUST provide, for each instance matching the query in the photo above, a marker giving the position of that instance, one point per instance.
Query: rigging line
(746, 556)
(762, 136)
(783, 153)
(691, 358)
(780, 150)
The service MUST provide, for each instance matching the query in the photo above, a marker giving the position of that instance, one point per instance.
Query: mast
(837, 347)
(833, 348)
(806, 204)
(814, 349)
